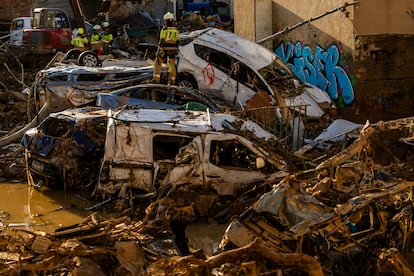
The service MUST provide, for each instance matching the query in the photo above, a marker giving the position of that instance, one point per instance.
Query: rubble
(342, 205)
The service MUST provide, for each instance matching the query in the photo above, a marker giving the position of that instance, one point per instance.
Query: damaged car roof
(158, 96)
(191, 121)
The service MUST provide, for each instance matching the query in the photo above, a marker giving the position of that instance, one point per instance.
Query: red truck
(51, 32)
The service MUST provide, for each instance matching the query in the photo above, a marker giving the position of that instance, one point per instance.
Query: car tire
(72, 54)
(187, 80)
(88, 58)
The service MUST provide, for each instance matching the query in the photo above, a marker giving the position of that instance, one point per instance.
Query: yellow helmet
(169, 16)
(80, 31)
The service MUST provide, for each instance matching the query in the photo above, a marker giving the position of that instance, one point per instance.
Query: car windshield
(276, 71)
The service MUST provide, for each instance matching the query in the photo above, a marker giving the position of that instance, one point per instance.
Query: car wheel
(187, 80)
(73, 54)
(89, 59)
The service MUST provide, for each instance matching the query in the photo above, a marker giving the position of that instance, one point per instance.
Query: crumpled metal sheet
(299, 212)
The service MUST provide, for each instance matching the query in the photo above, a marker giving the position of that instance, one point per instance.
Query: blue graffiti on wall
(320, 69)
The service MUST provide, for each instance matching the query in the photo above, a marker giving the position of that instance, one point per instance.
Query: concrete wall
(254, 20)
(244, 22)
(384, 66)
(361, 55)
(384, 59)
(320, 51)
(384, 17)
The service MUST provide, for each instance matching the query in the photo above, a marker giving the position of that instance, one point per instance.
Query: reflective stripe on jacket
(169, 36)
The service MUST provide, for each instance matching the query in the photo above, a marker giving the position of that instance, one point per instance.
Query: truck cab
(18, 25)
(50, 32)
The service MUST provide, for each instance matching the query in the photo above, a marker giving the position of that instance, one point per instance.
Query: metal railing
(286, 123)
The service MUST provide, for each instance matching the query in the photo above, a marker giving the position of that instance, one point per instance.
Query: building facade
(360, 52)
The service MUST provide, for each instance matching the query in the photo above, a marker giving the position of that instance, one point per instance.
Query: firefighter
(168, 46)
(106, 37)
(96, 41)
(80, 39)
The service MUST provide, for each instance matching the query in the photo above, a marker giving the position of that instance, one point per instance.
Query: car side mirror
(260, 162)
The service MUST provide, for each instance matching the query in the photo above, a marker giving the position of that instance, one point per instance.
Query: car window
(56, 127)
(168, 146)
(91, 77)
(220, 60)
(238, 71)
(126, 75)
(232, 154)
(19, 24)
(59, 78)
(243, 74)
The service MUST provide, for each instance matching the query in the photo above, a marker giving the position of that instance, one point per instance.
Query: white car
(215, 59)
(16, 29)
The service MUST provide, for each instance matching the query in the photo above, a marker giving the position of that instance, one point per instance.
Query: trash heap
(349, 215)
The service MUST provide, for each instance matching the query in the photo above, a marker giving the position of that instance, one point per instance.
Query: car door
(230, 162)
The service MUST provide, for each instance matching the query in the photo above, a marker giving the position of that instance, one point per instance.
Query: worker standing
(80, 39)
(96, 41)
(106, 38)
(168, 46)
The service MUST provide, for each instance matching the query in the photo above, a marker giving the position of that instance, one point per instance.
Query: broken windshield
(276, 71)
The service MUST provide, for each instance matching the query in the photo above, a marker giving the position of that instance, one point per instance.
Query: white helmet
(97, 27)
(169, 16)
(105, 24)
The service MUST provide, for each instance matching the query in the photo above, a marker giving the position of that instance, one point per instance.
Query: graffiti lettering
(321, 69)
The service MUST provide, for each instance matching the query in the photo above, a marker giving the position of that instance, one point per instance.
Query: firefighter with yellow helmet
(168, 46)
(80, 39)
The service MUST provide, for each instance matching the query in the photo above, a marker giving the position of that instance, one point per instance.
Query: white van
(199, 153)
(16, 29)
(216, 59)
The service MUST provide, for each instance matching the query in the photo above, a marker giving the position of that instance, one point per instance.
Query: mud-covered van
(196, 152)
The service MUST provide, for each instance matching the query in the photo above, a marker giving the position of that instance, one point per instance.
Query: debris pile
(350, 215)
(194, 21)
(351, 212)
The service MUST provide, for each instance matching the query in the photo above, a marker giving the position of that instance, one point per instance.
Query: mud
(23, 207)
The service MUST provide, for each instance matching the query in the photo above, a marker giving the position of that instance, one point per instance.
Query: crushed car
(68, 86)
(158, 96)
(196, 153)
(248, 74)
(65, 150)
(252, 77)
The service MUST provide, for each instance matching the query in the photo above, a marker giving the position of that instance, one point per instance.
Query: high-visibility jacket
(169, 37)
(107, 37)
(78, 41)
(95, 37)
